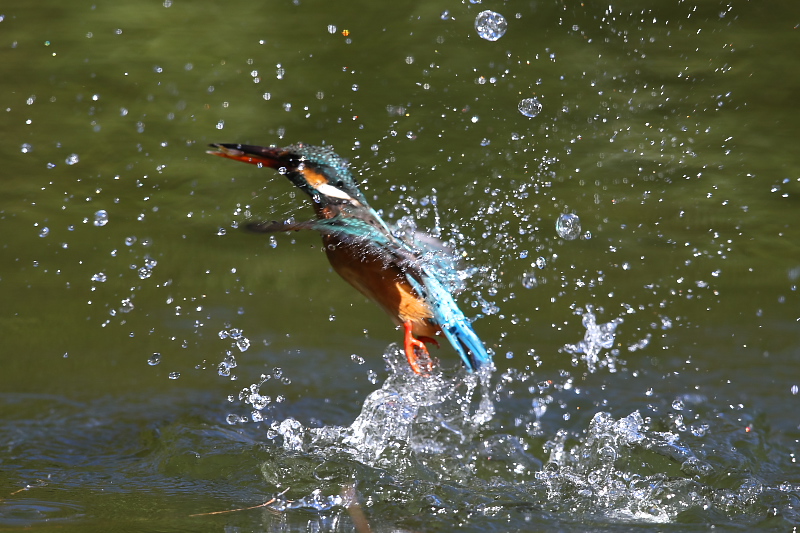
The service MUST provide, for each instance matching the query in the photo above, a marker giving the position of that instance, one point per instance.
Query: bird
(403, 274)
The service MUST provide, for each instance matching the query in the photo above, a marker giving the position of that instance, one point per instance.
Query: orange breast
(385, 286)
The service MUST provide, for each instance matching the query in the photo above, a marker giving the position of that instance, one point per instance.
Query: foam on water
(435, 443)
(429, 414)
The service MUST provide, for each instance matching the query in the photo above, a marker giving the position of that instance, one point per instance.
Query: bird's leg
(420, 364)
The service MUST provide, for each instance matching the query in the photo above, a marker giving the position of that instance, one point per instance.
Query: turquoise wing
(423, 275)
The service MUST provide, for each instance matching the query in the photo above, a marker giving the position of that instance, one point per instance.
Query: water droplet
(154, 359)
(529, 281)
(677, 404)
(44, 232)
(530, 107)
(127, 306)
(243, 343)
(100, 277)
(490, 25)
(129, 241)
(26, 147)
(445, 15)
(568, 226)
(174, 375)
(101, 218)
(145, 273)
(72, 159)
(485, 142)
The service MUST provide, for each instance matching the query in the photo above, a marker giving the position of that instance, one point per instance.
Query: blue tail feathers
(454, 324)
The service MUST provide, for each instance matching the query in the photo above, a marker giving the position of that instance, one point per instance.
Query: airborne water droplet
(529, 281)
(490, 25)
(154, 359)
(530, 107)
(568, 226)
(243, 343)
(101, 218)
(72, 159)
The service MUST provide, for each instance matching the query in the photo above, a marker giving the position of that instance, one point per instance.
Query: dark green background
(670, 128)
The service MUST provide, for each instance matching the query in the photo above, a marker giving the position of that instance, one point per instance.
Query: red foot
(417, 354)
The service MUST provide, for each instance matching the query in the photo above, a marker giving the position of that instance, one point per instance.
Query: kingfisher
(403, 274)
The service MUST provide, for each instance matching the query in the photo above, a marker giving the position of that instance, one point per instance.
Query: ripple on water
(30, 512)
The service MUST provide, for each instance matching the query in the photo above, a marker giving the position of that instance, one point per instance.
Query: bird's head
(317, 170)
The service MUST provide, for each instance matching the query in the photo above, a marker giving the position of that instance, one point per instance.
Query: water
(568, 226)
(530, 107)
(101, 218)
(647, 376)
(490, 25)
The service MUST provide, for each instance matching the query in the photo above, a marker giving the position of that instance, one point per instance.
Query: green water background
(670, 128)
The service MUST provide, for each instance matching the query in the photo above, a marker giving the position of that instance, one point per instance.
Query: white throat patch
(329, 190)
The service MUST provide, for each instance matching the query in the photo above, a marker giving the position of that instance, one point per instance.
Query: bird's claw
(418, 357)
(416, 352)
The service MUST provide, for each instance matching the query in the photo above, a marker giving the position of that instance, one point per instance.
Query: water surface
(647, 365)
